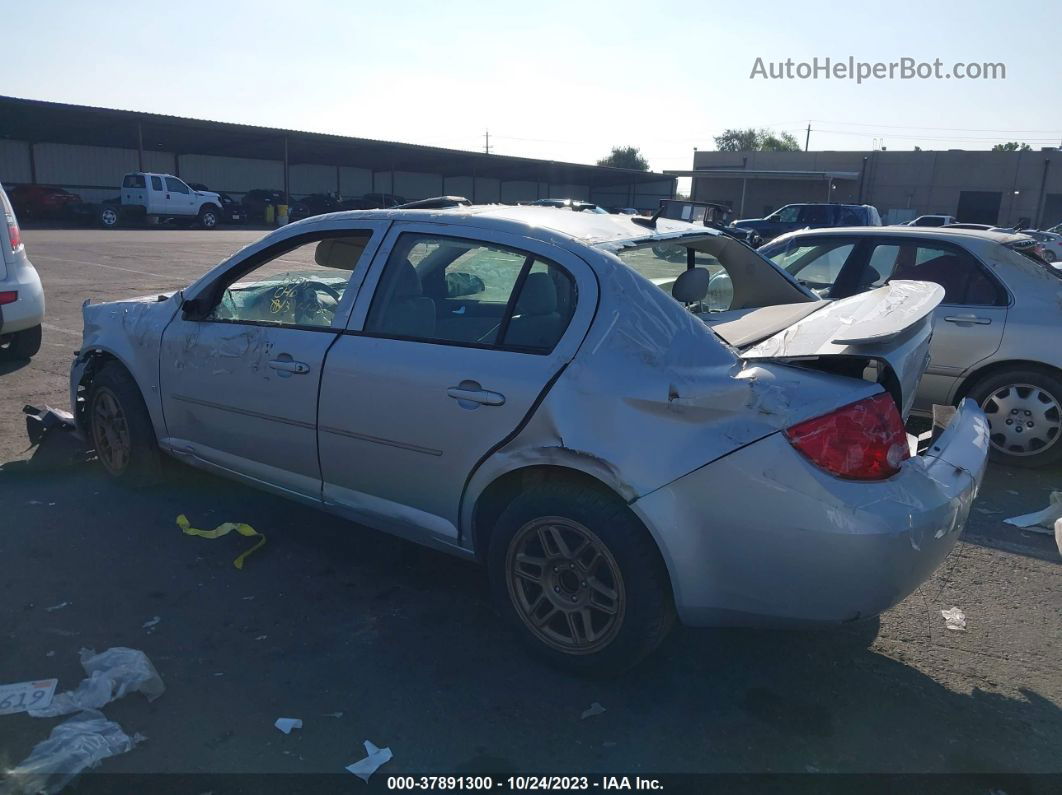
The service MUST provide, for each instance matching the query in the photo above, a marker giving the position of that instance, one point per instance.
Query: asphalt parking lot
(364, 636)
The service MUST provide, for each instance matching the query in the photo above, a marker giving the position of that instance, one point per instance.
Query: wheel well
(971, 380)
(497, 496)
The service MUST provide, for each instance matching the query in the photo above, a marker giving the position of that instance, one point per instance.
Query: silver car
(533, 387)
(21, 294)
(996, 331)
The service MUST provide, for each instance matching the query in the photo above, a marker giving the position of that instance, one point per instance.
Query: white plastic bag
(111, 674)
(75, 745)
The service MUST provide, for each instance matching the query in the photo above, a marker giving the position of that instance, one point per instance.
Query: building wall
(235, 175)
(901, 185)
(14, 162)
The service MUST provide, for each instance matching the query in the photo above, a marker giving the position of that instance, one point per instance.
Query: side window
(175, 185)
(300, 286)
(815, 214)
(789, 215)
(462, 291)
(815, 263)
(850, 217)
(963, 279)
(133, 181)
(156, 183)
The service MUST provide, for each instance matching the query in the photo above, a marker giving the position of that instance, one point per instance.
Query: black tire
(209, 217)
(1004, 392)
(23, 344)
(109, 216)
(142, 463)
(1049, 255)
(644, 607)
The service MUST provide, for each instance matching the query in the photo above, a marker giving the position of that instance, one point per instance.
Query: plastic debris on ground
(954, 619)
(59, 606)
(1040, 521)
(223, 530)
(287, 724)
(54, 434)
(111, 674)
(364, 768)
(150, 624)
(594, 709)
(1058, 535)
(75, 745)
(21, 696)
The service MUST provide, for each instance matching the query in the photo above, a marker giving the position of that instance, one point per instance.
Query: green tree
(753, 140)
(625, 157)
(1012, 146)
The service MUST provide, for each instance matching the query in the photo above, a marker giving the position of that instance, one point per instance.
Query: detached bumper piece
(54, 434)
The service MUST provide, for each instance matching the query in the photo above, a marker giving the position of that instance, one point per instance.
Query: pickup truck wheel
(121, 428)
(208, 217)
(23, 344)
(580, 578)
(109, 217)
(1024, 410)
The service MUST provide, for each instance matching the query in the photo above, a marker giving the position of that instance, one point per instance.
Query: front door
(180, 199)
(442, 361)
(240, 376)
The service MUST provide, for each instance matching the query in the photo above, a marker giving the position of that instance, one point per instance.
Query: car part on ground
(512, 343)
(21, 293)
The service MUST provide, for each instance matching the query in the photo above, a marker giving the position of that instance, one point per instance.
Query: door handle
(289, 366)
(974, 319)
(471, 392)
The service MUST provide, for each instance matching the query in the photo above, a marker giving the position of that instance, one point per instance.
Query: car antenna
(649, 223)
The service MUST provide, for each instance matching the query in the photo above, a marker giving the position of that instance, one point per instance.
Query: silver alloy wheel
(1049, 255)
(1024, 419)
(209, 219)
(109, 217)
(110, 432)
(566, 585)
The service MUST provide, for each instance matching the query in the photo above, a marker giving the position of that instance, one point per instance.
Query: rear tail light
(8, 296)
(861, 441)
(13, 233)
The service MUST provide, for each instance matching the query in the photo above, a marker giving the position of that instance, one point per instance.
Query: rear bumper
(28, 310)
(764, 537)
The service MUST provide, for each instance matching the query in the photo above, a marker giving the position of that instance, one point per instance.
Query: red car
(41, 201)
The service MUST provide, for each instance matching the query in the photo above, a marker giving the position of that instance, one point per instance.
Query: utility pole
(807, 138)
(486, 142)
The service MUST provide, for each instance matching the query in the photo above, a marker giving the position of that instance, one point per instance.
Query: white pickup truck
(162, 196)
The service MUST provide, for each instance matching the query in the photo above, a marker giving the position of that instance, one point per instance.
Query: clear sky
(560, 80)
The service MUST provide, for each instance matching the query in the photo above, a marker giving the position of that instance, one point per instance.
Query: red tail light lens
(13, 233)
(8, 296)
(862, 441)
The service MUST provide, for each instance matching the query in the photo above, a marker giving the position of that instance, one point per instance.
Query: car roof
(602, 230)
(908, 231)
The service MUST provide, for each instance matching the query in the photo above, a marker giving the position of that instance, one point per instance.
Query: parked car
(255, 201)
(710, 214)
(232, 211)
(162, 196)
(314, 204)
(531, 388)
(21, 294)
(813, 216)
(1050, 244)
(375, 201)
(933, 220)
(996, 333)
(978, 227)
(42, 201)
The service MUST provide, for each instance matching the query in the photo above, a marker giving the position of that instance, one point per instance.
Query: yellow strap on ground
(224, 530)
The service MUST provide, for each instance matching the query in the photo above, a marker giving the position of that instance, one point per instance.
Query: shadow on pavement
(333, 618)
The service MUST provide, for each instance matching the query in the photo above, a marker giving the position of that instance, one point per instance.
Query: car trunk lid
(887, 330)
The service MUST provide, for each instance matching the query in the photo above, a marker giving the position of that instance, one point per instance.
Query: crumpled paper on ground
(364, 768)
(111, 674)
(954, 619)
(1045, 519)
(75, 745)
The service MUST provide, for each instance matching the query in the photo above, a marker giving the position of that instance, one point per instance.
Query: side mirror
(192, 309)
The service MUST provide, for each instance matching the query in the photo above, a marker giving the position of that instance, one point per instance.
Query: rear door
(968, 324)
(449, 346)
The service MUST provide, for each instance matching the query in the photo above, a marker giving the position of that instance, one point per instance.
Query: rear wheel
(1049, 255)
(208, 217)
(1024, 410)
(122, 433)
(23, 344)
(109, 216)
(580, 578)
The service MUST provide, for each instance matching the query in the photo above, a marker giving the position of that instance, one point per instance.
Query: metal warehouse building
(1000, 188)
(87, 150)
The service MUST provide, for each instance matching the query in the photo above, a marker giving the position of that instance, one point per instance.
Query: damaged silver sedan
(539, 389)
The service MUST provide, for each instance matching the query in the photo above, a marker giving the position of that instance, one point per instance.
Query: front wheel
(1049, 255)
(208, 218)
(580, 578)
(121, 428)
(1024, 411)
